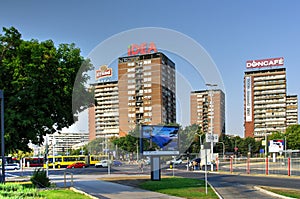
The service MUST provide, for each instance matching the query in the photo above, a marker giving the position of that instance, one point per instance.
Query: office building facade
(147, 91)
(202, 110)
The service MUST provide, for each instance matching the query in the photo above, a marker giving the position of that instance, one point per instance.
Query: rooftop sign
(265, 63)
(144, 48)
(103, 71)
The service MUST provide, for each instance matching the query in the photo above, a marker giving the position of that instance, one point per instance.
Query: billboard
(248, 99)
(276, 145)
(159, 140)
(265, 63)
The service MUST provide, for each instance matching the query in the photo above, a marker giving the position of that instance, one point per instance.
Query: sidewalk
(104, 189)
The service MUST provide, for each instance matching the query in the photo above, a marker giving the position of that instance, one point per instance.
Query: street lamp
(211, 124)
(200, 142)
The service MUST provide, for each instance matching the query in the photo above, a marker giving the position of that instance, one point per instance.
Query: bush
(17, 191)
(40, 179)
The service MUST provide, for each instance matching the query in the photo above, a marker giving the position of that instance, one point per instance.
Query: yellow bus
(64, 161)
(96, 158)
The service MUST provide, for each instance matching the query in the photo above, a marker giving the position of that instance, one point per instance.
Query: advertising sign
(103, 71)
(248, 99)
(144, 48)
(276, 145)
(159, 140)
(265, 63)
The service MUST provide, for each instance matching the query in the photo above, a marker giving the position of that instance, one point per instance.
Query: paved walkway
(103, 189)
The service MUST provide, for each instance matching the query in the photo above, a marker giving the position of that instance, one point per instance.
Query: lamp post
(200, 142)
(2, 136)
(211, 125)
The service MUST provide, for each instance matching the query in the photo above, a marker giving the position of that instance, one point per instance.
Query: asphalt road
(228, 185)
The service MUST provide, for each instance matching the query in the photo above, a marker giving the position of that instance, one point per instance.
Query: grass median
(175, 186)
(293, 193)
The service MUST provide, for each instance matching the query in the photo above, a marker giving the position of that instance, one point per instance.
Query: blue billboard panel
(159, 140)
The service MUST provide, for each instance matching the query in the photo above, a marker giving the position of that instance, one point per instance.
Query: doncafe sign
(265, 63)
(144, 48)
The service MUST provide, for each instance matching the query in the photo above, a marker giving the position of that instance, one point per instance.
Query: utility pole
(211, 125)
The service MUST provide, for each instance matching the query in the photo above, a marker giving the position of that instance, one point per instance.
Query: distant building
(201, 110)
(146, 91)
(104, 115)
(291, 110)
(267, 108)
(64, 141)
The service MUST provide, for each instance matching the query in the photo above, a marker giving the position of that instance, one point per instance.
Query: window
(131, 87)
(147, 74)
(130, 64)
(131, 92)
(147, 67)
(147, 61)
(147, 79)
(129, 70)
(131, 81)
(131, 75)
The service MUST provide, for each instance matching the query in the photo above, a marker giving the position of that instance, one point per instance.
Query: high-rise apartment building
(146, 91)
(291, 110)
(266, 104)
(202, 110)
(104, 115)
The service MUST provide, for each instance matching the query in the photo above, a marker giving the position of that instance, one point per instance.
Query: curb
(217, 193)
(271, 193)
(82, 192)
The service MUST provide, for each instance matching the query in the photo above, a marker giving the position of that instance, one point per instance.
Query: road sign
(213, 138)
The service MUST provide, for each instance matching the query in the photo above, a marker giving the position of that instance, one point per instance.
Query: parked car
(117, 163)
(12, 166)
(76, 165)
(102, 163)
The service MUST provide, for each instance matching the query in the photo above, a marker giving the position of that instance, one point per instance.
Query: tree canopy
(37, 79)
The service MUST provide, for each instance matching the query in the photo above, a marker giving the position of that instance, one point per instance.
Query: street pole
(211, 126)
(53, 148)
(2, 136)
(266, 142)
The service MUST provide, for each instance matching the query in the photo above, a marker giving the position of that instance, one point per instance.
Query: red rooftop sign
(103, 71)
(265, 63)
(144, 48)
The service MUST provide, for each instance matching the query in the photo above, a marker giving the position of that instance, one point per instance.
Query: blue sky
(231, 32)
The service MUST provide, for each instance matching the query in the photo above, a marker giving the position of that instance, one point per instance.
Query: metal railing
(267, 166)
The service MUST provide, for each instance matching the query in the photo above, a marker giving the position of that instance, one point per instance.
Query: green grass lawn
(28, 191)
(62, 194)
(285, 192)
(182, 187)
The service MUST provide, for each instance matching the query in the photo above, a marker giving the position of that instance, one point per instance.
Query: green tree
(37, 79)
(293, 136)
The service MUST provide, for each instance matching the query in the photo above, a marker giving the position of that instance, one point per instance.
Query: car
(178, 161)
(117, 163)
(12, 166)
(102, 163)
(76, 165)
